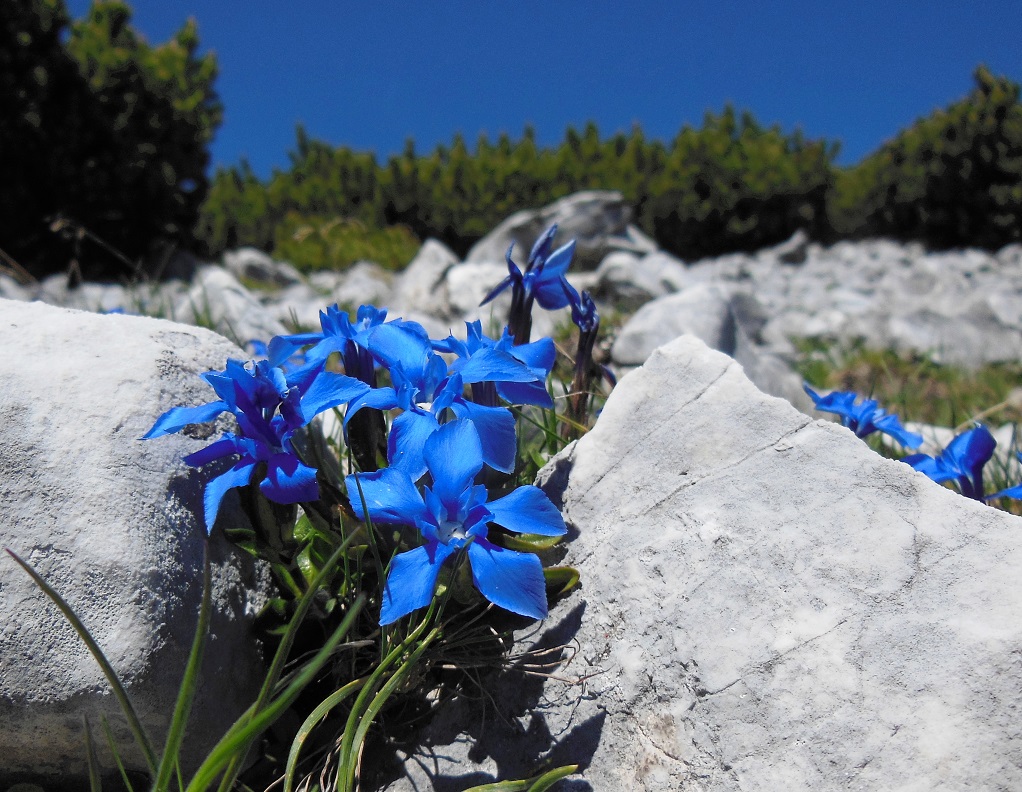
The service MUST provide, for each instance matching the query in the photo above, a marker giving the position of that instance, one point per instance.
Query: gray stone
(115, 525)
(469, 283)
(422, 286)
(793, 250)
(766, 604)
(628, 281)
(296, 307)
(365, 283)
(217, 300)
(701, 310)
(597, 220)
(11, 289)
(258, 268)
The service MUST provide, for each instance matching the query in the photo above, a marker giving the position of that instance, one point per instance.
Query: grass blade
(283, 650)
(189, 683)
(113, 749)
(539, 783)
(310, 723)
(111, 676)
(95, 784)
(240, 737)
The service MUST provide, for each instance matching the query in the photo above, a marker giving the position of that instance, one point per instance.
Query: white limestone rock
(364, 283)
(115, 525)
(216, 299)
(628, 281)
(422, 286)
(766, 604)
(701, 310)
(596, 219)
(255, 266)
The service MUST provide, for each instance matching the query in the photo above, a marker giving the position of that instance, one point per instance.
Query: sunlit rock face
(765, 604)
(114, 524)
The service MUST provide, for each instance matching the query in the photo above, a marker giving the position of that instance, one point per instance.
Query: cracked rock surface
(766, 604)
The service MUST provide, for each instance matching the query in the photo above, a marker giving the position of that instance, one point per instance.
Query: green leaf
(531, 543)
(539, 783)
(95, 784)
(560, 580)
(189, 685)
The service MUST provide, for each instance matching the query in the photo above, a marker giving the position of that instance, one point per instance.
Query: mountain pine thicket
(106, 147)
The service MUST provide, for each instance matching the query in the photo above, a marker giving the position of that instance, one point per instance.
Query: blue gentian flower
(268, 410)
(502, 366)
(423, 388)
(864, 418)
(962, 461)
(587, 319)
(541, 282)
(1012, 492)
(366, 434)
(339, 334)
(453, 514)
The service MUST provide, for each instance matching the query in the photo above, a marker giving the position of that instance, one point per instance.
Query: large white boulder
(766, 604)
(115, 525)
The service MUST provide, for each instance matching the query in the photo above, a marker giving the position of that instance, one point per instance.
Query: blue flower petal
(389, 494)
(283, 347)
(408, 435)
(395, 345)
(971, 450)
(412, 580)
(549, 294)
(496, 427)
(237, 476)
(177, 418)
(454, 455)
(492, 365)
(225, 446)
(513, 581)
(377, 398)
(528, 510)
(1011, 492)
(541, 247)
(288, 480)
(330, 390)
(933, 468)
(890, 425)
(538, 355)
(496, 290)
(525, 393)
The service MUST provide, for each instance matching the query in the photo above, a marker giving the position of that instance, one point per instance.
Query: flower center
(451, 529)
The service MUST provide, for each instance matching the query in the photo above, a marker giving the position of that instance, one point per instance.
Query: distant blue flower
(268, 410)
(541, 282)
(453, 514)
(962, 461)
(864, 418)
(1012, 492)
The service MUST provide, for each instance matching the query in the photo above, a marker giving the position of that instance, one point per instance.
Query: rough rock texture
(421, 286)
(596, 219)
(217, 299)
(702, 310)
(257, 267)
(114, 524)
(628, 281)
(766, 605)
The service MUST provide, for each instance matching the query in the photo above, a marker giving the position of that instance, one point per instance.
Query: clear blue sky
(371, 74)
